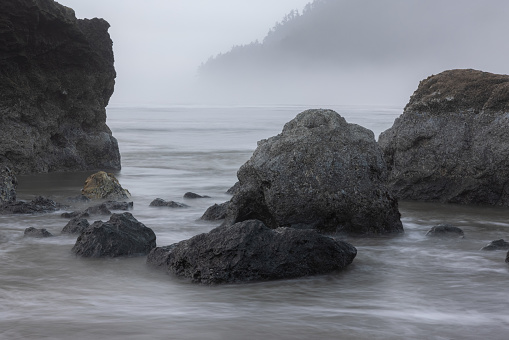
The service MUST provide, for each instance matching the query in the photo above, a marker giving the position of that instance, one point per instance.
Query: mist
(329, 52)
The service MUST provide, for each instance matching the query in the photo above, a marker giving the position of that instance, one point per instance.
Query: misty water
(405, 287)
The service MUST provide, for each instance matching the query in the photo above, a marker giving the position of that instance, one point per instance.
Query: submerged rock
(8, 184)
(451, 142)
(37, 233)
(445, 230)
(320, 172)
(159, 202)
(56, 78)
(76, 226)
(249, 251)
(37, 206)
(102, 185)
(216, 212)
(192, 195)
(114, 205)
(496, 245)
(122, 235)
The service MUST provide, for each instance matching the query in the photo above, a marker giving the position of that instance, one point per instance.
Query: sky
(159, 44)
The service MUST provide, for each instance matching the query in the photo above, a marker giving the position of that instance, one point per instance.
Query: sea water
(404, 287)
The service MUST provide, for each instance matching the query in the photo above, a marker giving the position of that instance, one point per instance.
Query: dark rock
(234, 189)
(445, 230)
(37, 233)
(56, 78)
(497, 245)
(78, 199)
(216, 212)
(159, 202)
(451, 142)
(74, 214)
(8, 184)
(101, 209)
(102, 185)
(37, 205)
(507, 257)
(249, 251)
(320, 172)
(192, 195)
(114, 205)
(76, 226)
(122, 235)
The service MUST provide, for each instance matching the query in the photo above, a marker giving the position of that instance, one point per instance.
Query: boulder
(250, 251)
(102, 185)
(496, 245)
(445, 230)
(234, 189)
(159, 202)
(451, 142)
(76, 226)
(36, 206)
(100, 209)
(56, 78)
(216, 212)
(192, 195)
(37, 233)
(8, 184)
(320, 172)
(122, 235)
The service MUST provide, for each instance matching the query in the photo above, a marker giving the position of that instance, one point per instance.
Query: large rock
(38, 205)
(451, 142)
(8, 184)
(320, 172)
(56, 78)
(249, 251)
(122, 235)
(102, 185)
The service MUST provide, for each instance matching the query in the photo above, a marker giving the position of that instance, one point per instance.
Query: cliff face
(56, 78)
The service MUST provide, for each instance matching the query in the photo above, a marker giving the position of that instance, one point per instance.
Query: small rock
(37, 233)
(100, 209)
(216, 212)
(75, 214)
(114, 205)
(496, 245)
(76, 226)
(102, 185)
(159, 202)
(192, 195)
(78, 199)
(445, 230)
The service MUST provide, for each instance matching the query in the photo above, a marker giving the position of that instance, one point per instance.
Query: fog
(348, 52)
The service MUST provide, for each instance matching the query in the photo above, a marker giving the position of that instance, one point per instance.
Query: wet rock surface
(102, 185)
(56, 78)
(36, 233)
(37, 206)
(497, 245)
(451, 142)
(249, 251)
(216, 212)
(445, 230)
(76, 226)
(122, 235)
(8, 183)
(320, 172)
(159, 202)
(192, 195)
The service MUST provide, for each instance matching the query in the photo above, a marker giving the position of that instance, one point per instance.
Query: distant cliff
(56, 78)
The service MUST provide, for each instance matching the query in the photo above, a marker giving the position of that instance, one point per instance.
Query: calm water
(408, 287)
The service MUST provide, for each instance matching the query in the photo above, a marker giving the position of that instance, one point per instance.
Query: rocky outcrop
(445, 230)
(122, 235)
(36, 233)
(56, 78)
(36, 206)
(76, 226)
(249, 251)
(451, 142)
(8, 184)
(497, 245)
(102, 185)
(159, 202)
(320, 172)
(216, 212)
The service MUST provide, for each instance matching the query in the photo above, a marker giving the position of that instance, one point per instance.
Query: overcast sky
(158, 44)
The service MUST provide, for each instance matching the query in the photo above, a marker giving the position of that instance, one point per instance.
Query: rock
(100, 209)
(37, 233)
(451, 142)
(192, 195)
(507, 257)
(122, 235)
(320, 172)
(37, 205)
(114, 205)
(102, 185)
(234, 189)
(78, 199)
(249, 251)
(8, 184)
(216, 212)
(159, 202)
(496, 245)
(56, 78)
(445, 230)
(76, 226)
(74, 214)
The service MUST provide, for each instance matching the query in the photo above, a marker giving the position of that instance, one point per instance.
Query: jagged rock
(122, 235)
(234, 189)
(249, 251)
(76, 226)
(496, 245)
(37, 205)
(159, 202)
(102, 185)
(192, 195)
(56, 78)
(320, 172)
(8, 184)
(37, 233)
(451, 142)
(216, 212)
(445, 230)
